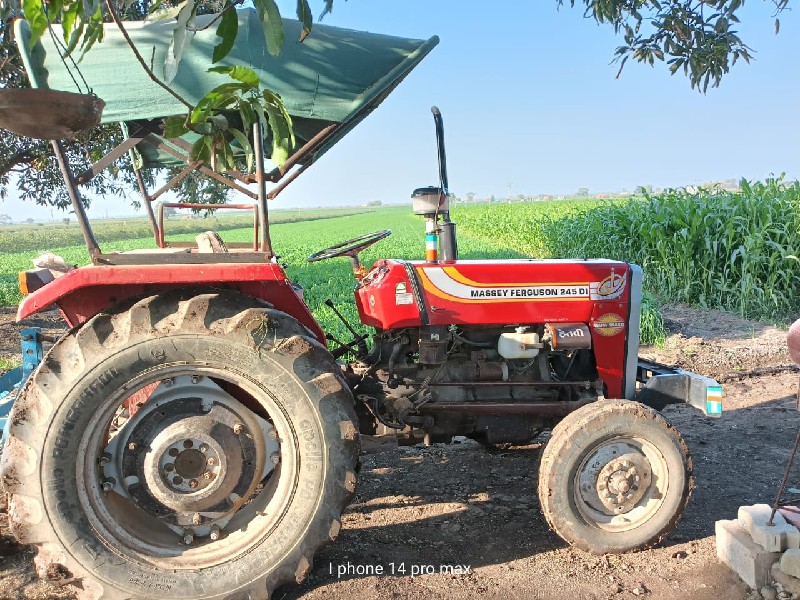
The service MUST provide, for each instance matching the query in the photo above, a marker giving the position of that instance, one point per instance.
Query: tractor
(194, 434)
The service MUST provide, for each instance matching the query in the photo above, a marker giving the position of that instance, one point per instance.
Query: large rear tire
(192, 445)
(615, 477)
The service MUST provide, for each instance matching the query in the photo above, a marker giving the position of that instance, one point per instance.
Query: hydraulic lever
(360, 341)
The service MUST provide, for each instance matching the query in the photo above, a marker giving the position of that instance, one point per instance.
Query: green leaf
(164, 12)
(248, 115)
(226, 30)
(244, 74)
(242, 140)
(68, 20)
(280, 125)
(36, 19)
(180, 41)
(201, 150)
(272, 23)
(328, 8)
(90, 7)
(75, 36)
(305, 17)
(175, 127)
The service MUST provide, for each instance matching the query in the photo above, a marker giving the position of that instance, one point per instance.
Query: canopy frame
(321, 130)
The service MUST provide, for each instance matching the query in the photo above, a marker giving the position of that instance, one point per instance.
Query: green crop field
(14, 238)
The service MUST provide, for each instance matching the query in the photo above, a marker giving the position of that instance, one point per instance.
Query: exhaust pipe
(433, 203)
(448, 246)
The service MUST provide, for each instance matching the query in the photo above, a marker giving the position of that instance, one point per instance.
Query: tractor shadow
(463, 504)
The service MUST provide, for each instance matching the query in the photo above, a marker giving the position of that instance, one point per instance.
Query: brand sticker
(610, 288)
(609, 324)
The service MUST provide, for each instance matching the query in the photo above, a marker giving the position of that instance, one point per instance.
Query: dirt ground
(473, 512)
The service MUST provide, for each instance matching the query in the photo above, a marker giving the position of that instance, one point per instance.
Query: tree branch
(16, 159)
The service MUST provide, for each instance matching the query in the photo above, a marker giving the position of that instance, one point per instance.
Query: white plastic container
(519, 345)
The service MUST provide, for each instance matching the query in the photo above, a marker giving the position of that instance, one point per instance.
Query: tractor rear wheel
(192, 445)
(615, 477)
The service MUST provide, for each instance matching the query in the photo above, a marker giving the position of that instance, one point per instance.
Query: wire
(63, 52)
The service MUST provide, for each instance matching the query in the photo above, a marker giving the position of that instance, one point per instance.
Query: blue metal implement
(11, 383)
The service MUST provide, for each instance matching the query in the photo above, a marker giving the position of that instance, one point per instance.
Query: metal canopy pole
(261, 181)
(148, 203)
(75, 198)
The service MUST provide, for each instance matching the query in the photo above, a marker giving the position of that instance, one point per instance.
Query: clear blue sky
(529, 98)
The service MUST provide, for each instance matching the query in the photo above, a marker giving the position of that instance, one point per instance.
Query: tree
(582, 192)
(5, 219)
(695, 37)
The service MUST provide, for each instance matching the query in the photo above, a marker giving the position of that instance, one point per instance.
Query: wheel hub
(190, 456)
(615, 479)
(623, 482)
(197, 462)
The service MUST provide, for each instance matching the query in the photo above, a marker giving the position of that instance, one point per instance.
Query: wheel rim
(620, 484)
(194, 475)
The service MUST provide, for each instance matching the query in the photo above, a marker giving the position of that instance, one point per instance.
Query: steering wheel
(351, 247)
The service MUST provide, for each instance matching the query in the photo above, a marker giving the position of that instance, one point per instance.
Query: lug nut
(193, 483)
(195, 378)
(188, 537)
(132, 446)
(203, 447)
(207, 475)
(103, 461)
(215, 533)
(168, 382)
(237, 428)
(197, 518)
(273, 434)
(108, 484)
(275, 458)
(211, 462)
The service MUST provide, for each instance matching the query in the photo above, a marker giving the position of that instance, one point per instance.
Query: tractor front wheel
(192, 445)
(615, 477)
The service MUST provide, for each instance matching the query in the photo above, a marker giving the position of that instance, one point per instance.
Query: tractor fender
(82, 293)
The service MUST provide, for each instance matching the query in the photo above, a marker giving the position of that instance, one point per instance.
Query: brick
(789, 583)
(747, 559)
(790, 562)
(777, 537)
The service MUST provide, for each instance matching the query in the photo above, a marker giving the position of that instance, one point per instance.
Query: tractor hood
(329, 82)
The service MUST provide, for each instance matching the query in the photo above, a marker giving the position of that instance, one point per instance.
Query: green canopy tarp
(336, 76)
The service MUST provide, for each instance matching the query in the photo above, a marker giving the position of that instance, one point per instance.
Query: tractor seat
(209, 242)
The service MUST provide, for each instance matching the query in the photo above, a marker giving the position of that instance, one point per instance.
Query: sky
(531, 104)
